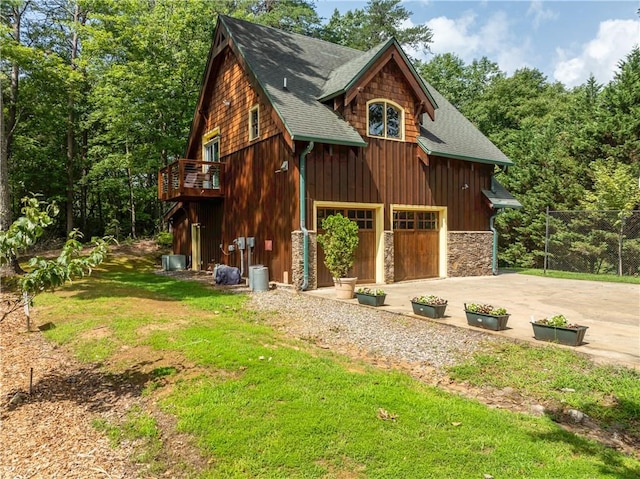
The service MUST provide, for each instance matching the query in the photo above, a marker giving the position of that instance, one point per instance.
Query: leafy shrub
(339, 242)
(164, 239)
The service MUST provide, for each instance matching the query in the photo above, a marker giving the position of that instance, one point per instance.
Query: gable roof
(273, 55)
(346, 76)
(316, 71)
(453, 136)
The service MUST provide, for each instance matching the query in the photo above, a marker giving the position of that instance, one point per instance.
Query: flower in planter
(431, 300)
(557, 321)
(485, 309)
(371, 291)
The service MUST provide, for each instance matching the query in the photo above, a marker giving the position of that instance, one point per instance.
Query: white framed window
(385, 119)
(211, 154)
(254, 123)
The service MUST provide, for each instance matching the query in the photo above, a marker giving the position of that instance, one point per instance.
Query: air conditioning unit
(174, 262)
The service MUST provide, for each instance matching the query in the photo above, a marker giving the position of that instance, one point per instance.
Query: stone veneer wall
(469, 253)
(297, 260)
(389, 259)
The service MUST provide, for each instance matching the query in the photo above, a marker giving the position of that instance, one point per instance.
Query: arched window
(385, 119)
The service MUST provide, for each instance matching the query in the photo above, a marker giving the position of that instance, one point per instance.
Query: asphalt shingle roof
(340, 78)
(499, 197)
(453, 136)
(306, 63)
(315, 69)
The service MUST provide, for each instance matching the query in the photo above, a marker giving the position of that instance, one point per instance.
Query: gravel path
(349, 326)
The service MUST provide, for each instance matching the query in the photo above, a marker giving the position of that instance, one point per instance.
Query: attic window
(254, 122)
(385, 119)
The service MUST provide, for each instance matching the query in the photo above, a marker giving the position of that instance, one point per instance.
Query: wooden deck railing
(190, 179)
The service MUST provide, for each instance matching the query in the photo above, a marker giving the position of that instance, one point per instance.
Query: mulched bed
(48, 432)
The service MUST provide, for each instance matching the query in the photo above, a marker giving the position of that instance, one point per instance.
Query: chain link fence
(596, 242)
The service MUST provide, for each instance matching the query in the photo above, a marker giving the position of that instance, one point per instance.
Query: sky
(566, 40)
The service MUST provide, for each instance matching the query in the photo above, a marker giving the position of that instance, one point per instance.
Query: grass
(261, 405)
(607, 278)
(607, 394)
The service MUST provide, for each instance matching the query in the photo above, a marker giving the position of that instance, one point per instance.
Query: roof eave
(454, 156)
(329, 141)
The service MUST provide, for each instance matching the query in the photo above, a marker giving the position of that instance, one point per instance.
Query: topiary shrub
(339, 242)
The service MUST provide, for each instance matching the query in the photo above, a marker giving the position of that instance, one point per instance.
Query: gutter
(303, 215)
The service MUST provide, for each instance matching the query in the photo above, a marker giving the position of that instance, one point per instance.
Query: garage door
(365, 265)
(416, 241)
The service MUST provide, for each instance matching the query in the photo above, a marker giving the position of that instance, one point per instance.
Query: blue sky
(566, 40)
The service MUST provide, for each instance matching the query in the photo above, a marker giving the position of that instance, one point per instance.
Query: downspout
(494, 249)
(494, 253)
(303, 216)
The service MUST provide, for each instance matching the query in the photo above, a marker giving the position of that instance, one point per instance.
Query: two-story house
(289, 129)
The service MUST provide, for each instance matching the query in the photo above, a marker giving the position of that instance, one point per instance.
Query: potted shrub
(486, 316)
(430, 306)
(339, 242)
(371, 296)
(557, 329)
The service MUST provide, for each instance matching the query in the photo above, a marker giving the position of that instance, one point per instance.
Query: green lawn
(608, 278)
(262, 405)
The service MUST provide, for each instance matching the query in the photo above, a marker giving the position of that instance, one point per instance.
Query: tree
(621, 113)
(45, 274)
(297, 16)
(378, 21)
(615, 187)
(459, 83)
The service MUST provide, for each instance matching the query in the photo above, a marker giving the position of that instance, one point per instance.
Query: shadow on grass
(93, 388)
(144, 285)
(611, 461)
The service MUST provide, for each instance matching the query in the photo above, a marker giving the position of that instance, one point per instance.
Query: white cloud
(540, 14)
(600, 56)
(470, 38)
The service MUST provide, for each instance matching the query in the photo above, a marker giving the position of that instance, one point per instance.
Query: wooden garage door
(416, 241)
(364, 267)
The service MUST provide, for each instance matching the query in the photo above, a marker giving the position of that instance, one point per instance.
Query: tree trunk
(132, 203)
(71, 122)
(6, 141)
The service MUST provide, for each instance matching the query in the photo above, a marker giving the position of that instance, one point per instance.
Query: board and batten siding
(390, 172)
(262, 203)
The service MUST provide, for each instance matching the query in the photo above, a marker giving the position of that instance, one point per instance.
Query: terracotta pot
(345, 287)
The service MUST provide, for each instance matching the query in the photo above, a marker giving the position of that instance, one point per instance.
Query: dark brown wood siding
(389, 172)
(260, 203)
(209, 215)
(227, 107)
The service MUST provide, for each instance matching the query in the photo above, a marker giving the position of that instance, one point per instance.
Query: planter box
(566, 336)
(487, 321)
(370, 299)
(428, 310)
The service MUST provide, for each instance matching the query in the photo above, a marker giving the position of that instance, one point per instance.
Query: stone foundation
(469, 253)
(297, 260)
(389, 258)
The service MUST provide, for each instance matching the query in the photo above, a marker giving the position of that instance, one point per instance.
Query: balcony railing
(190, 179)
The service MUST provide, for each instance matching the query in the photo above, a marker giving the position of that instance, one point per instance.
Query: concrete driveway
(611, 310)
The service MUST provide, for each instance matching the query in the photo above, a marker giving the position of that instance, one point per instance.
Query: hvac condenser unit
(173, 262)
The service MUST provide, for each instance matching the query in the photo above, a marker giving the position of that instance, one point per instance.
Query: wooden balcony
(191, 180)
